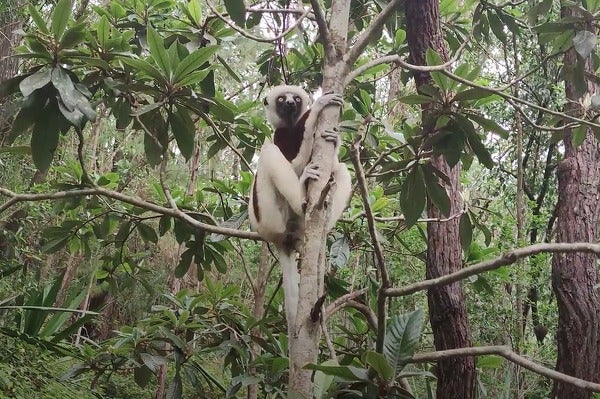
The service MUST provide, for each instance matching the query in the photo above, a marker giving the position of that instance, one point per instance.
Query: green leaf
(147, 233)
(193, 61)
(73, 36)
(399, 38)
(472, 94)
(379, 364)
(323, 381)
(401, 339)
(496, 25)
(412, 196)
(60, 17)
(153, 362)
(37, 19)
(542, 8)
(490, 361)
(164, 225)
(229, 69)
(416, 99)
(578, 135)
(339, 253)
(156, 139)
(184, 263)
(346, 373)
(237, 11)
(474, 141)
(36, 81)
(442, 81)
(436, 192)
(184, 131)
(195, 11)
(489, 125)
(44, 139)
(142, 375)
(145, 67)
(466, 232)
(103, 32)
(157, 49)
(585, 42)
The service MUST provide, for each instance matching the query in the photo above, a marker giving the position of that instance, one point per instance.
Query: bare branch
(251, 36)
(506, 259)
(341, 302)
(364, 193)
(321, 21)
(509, 355)
(372, 30)
(103, 192)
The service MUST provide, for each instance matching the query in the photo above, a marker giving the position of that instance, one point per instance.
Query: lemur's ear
(265, 101)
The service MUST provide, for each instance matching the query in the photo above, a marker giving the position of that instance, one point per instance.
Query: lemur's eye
(297, 99)
(280, 99)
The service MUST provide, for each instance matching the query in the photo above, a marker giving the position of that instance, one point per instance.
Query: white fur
(281, 193)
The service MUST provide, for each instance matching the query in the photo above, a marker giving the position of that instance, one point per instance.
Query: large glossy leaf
(237, 11)
(73, 36)
(103, 32)
(412, 196)
(585, 42)
(380, 365)
(441, 80)
(466, 231)
(195, 11)
(37, 19)
(193, 61)
(436, 192)
(184, 131)
(401, 338)
(158, 51)
(60, 17)
(36, 81)
(44, 138)
(156, 138)
(347, 373)
(147, 68)
(488, 125)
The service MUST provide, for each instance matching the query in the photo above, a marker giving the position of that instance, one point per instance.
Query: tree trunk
(447, 311)
(575, 275)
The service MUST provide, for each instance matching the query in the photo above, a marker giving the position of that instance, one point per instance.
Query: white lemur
(278, 193)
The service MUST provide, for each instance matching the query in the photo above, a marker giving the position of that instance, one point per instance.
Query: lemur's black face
(288, 107)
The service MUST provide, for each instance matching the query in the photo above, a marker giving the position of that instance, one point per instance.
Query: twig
(369, 34)
(251, 36)
(328, 341)
(341, 302)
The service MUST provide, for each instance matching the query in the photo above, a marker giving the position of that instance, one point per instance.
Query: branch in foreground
(506, 259)
(509, 355)
(15, 198)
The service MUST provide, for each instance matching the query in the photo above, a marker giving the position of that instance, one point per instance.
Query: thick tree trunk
(574, 276)
(447, 311)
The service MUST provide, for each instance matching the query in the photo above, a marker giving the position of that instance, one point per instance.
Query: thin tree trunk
(447, 311)
(258, 309)
(574, 276)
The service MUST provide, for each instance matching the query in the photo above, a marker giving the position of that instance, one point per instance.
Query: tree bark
(447, 311)
(574, 276)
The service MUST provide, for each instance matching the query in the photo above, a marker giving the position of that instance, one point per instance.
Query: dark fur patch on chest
(289, 139)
